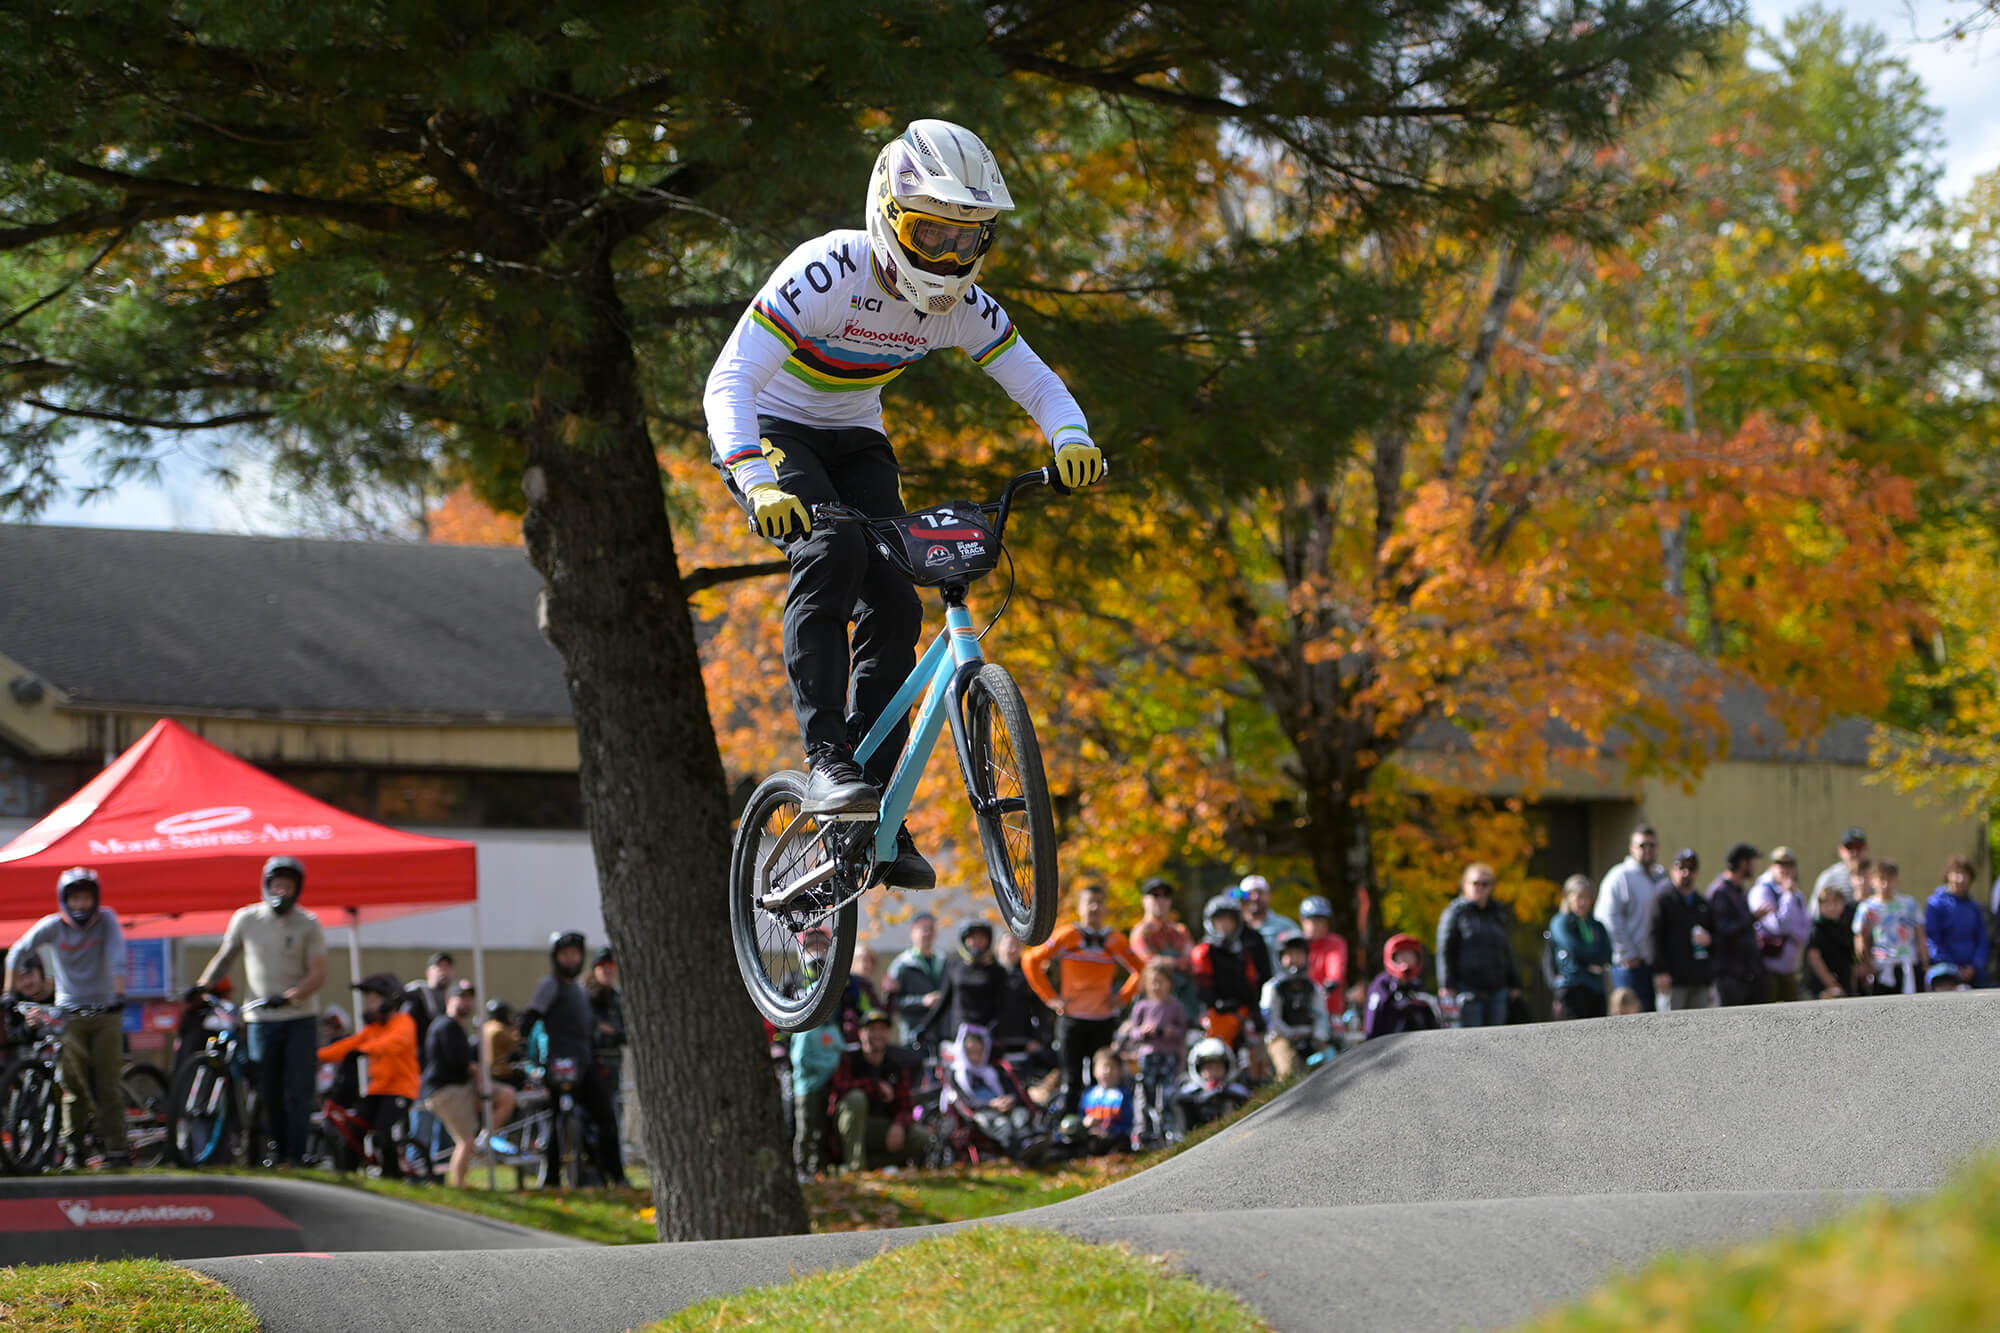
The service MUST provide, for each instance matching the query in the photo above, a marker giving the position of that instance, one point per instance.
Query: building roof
(186, 621)
(1751, 714)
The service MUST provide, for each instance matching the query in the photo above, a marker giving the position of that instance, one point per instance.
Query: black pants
(593, 1098)
(1077, 1039)
(387, 1118)
(1746, 989)
(1578, 1002)
(838, 578)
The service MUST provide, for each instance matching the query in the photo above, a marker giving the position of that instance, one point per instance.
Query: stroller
(983, 1108)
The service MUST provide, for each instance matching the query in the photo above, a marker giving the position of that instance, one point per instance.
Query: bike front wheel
(1010, 796)
(777, 845)
(201, 1115)
(30, 1117)
(145, 1113)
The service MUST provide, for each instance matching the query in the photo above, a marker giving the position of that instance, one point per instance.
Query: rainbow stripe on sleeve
(997, 348)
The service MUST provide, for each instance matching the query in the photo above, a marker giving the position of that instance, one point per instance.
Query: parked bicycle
(31, 1095)
(214, 1114)
(792, 874)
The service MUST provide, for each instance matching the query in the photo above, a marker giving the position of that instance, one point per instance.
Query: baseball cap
(1783, 856)
(441, 957)
(875, 1016)
(1156, 887)
(1252, 883)
(1686, 857)
(924, 916)
(1854, 834)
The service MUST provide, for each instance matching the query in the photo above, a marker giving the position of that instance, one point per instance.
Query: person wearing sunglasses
(794, 411)
(1475, 952)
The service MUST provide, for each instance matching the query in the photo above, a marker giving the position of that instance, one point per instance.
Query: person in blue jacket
(1955, 926)
(1582, 948)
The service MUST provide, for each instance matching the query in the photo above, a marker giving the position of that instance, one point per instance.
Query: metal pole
(479, 1029)
(353, 947)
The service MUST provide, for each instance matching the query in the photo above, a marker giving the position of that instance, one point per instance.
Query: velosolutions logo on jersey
(212, 826)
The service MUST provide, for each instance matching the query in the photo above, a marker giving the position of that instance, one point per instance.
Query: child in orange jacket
(388, 1037)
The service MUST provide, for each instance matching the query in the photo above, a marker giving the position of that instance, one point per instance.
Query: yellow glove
(1079, 464)
(774, 509)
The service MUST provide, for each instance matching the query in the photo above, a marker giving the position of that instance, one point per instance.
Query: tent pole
(354, 950)
(479, 1026)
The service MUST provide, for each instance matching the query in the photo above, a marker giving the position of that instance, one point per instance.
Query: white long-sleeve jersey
(838, 332)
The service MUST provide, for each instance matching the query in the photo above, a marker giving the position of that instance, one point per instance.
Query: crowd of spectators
(433, 1081)
(1100, 1040)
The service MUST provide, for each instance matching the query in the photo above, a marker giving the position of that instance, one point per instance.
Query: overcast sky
(1961, 77)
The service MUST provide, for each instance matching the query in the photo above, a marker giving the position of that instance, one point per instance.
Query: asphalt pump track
(1431, 1181)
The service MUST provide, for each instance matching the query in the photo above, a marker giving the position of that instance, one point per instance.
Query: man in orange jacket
(388, 1037)
(1089, 955)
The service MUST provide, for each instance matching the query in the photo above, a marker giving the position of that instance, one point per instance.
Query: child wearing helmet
(1328, 961)
(1294, 1009)
(388, 1037)
(794, 409)
(1231, 966)
(1396, 1001)
(1211, 1090)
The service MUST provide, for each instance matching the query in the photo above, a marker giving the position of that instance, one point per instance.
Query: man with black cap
(1683, 937)
(562, 1009)
(426, 999)
(1740, 974)
(284, 961)
(871, 1101)
(1853, 851)
(88, 952)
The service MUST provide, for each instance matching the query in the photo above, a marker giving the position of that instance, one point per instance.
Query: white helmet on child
(932, 198)
(1211, 1048)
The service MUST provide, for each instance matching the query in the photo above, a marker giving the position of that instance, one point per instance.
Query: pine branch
(151, 423)
(710, 576)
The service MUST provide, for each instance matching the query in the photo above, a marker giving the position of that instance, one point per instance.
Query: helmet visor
(940, 245)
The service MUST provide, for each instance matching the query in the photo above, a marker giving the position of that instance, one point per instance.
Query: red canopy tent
(178, 831)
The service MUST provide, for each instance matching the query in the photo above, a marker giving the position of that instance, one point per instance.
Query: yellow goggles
(938, 245)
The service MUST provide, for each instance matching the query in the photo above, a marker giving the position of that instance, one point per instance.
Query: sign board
(147, 964)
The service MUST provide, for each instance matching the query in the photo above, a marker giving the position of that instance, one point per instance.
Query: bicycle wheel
(201, 1115)
(775, 846)
(1011, 795)
(30, 1117)
(145, 1112)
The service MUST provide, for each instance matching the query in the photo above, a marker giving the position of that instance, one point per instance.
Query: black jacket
(1476, 947)
(447, 1055)
(1674, 920)
(974, 992)
(1021, 1016)
(607, 1033)
(1734, 951)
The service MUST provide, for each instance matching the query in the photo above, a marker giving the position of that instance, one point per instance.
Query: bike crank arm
(812, 879)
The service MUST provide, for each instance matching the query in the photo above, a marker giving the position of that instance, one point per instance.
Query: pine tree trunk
(653, 784)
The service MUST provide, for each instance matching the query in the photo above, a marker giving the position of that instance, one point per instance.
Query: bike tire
(30, 1117)
(145, 1088)
(1020, 841)
(768, 953)
(202, 1128)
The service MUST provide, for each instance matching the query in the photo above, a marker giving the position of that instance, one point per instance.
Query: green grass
(129, 1296)
(1930, 1264)
(999, 1279)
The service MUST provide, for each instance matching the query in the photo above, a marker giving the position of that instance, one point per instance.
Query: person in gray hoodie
(88, 950)
(1625, 902)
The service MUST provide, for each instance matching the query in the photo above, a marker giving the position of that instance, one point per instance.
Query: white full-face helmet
(932, 199)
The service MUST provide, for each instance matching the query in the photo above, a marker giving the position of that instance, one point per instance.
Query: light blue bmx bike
(794, 875)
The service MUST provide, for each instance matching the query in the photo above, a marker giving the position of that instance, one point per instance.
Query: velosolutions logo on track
(212, 826)
(83, 1213)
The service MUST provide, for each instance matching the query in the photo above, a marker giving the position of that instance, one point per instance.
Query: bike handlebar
(835, 512)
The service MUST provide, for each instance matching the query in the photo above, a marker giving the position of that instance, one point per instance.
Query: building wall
(1805, 806)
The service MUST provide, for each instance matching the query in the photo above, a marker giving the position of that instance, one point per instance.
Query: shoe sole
(849, 815)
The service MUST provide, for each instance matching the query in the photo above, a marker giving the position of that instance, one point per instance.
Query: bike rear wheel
(30, 1117)
(145, 1113)
(201, 1115)
(1010, 796)
(776, 844)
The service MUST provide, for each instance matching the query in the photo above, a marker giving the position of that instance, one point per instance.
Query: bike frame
(943, 672)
